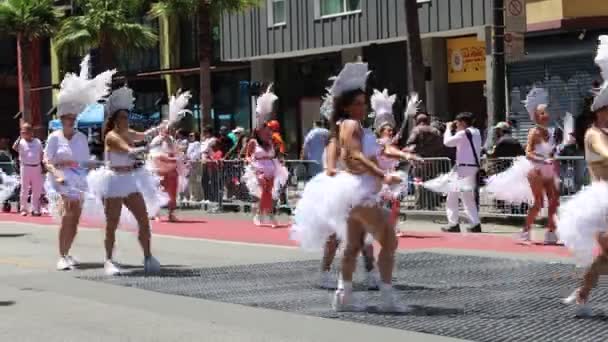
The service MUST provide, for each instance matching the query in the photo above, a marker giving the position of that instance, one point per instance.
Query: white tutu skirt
(325, 205)
(512, 185)
(450, 182)
(8, 184)
(581, 218)
(250, 179)
(394, 192)
(106, 183)
(74, 187)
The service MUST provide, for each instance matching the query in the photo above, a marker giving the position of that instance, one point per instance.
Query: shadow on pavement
(7, 303)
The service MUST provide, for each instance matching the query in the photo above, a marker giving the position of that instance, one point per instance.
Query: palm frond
(29, 18)
(133, 36)
(168, 8)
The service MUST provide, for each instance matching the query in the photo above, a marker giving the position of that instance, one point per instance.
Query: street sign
(515, 15)
(514, 46)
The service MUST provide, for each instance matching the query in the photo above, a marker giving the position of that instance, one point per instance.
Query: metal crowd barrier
(223, 189)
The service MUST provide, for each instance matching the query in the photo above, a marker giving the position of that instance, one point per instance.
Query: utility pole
(416, 81)
(498, 57)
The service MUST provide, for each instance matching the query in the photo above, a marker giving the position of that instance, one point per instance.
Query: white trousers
(465, 175)
(31, 179)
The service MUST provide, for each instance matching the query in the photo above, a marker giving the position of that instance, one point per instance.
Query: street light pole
(498, 56)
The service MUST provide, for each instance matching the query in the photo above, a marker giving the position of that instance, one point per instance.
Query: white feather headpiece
(178, 104)
(327, 107)
(352, 77)
(264, 106)
(78, 91)
(382, 105)
(120, 99)
(413, 103)
(601, 59)
(568, 125)
(535, 98)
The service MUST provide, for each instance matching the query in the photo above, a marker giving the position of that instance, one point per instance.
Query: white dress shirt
(30, 152)
(464, 154)
(194, 151)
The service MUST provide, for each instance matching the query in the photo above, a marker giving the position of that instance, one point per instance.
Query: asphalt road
(40, 304)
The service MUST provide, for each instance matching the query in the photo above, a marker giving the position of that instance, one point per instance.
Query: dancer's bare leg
(536, 185)
(69, 224)
(112, 208)
(329, 253)
(136, 204)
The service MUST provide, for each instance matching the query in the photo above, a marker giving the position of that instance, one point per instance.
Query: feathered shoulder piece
(601, 59)
(78, 91)
(120, 99)
(382, 105)
(352, 77)
(535, 98)
(264, 105)
(327, 106)
(413, 102)
(178, 104)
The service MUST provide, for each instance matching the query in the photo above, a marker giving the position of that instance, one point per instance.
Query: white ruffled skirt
(8, 184)
(450, 182)
(279, 172)
(581, 218)
(74, 187)
(325, 205)
(106, 183)
(512, 185)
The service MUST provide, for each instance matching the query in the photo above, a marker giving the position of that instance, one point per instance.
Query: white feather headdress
(78, 91)
(568, 125)
(178, 104)
(601, 59)
(327, 106)
(120, 99)
(264, 106)
(413, 102)
(535, 98)
(382, 105)
(352, 77)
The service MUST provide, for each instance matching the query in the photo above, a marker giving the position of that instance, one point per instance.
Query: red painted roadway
(245, 231)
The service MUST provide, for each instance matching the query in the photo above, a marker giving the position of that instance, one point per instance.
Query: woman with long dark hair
(124, 182)
(264, 175)
(67, 157)
(347, 204)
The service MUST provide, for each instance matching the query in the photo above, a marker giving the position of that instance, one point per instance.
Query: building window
(276, 12)
(337, 7)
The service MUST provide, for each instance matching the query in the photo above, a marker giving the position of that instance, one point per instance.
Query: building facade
(560, 46)
(299, 44)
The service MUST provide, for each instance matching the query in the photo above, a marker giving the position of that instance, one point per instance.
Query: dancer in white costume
(532, 178)
(583, 220)
(388, 159)
(67, 156)
(124, 182)
(264, 174)
(166, 158)
(327, 281)
(347, 204)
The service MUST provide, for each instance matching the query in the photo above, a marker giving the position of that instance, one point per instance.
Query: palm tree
(108, 25)
(415, 65)
(28, 21)
(207, 11)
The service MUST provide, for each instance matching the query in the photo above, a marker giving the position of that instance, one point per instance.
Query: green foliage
(107, 23)
(28, 18)
(189, 8)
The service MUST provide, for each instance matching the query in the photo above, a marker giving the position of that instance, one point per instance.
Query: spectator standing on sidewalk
(463, 180)
(30, 163)
(206, 141)
(193, 155)
(313, 147)
(7, 166)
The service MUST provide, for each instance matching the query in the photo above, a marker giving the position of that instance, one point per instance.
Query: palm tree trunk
(23, 78)
(205, 54)
(34, 77)
(106, 56)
